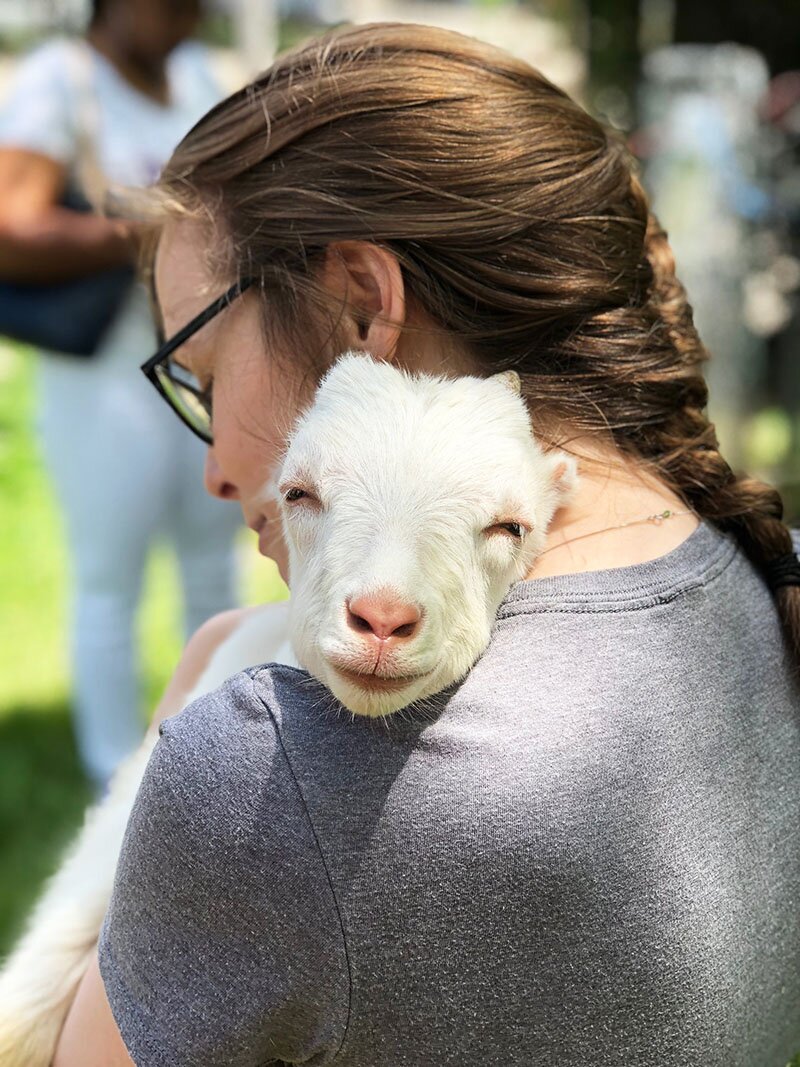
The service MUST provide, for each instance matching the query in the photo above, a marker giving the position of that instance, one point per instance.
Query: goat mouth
(377, 682)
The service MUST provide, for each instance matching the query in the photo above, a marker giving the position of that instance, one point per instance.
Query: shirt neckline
(694, 562)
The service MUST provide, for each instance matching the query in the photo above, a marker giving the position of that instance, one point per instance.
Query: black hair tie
(785, 570)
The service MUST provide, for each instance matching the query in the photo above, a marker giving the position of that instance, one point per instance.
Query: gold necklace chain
(656, 520)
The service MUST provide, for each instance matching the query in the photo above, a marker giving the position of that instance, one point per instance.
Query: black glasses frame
(160, 360)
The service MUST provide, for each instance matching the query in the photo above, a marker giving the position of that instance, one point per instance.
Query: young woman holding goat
(590, 851)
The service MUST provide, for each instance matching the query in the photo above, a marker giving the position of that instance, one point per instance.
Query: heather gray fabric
(586, 854)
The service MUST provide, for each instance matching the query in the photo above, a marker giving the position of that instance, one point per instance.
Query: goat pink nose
(382, 616)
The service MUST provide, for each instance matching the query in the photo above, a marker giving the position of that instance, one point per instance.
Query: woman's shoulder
(38, 108)
(192, 73)
(234, 715)
(276, 729)
(38, 76)
(257, 705)
(47, 62)
(252, 720)
(696, 628)
(604, 639)
(191, 55)
(700, 560)
(217, 808)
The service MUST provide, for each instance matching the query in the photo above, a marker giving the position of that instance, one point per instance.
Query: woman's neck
(611, 490)
(585, 535)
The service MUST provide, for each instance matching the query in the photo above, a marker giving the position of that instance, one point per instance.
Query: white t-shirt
(133, 136)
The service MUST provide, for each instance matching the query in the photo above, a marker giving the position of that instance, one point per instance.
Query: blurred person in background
(123, 470)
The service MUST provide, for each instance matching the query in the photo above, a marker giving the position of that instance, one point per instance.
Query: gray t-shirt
(586, 853)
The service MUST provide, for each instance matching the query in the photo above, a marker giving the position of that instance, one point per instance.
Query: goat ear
(510, 379)
(564, 472)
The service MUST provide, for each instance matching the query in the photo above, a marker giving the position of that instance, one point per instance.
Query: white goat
(410, 504)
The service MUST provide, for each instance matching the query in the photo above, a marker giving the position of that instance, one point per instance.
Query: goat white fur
(394, 489)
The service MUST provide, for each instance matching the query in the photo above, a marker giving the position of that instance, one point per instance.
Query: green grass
(43, 792)
(42, 797)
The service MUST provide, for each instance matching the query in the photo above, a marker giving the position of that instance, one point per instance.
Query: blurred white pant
(126, 470)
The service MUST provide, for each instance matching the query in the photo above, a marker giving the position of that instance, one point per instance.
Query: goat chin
(39, 980)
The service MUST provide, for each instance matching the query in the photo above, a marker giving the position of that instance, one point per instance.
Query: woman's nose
(215, 481)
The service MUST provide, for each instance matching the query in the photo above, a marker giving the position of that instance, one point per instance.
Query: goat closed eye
(293, 494)
(513, 529)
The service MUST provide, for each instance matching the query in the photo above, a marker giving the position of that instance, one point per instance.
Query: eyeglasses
(179, 387)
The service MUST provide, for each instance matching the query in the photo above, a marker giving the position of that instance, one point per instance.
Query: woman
(122, 470)
(589, 854)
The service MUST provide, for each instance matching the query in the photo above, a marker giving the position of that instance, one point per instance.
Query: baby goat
(410, 504)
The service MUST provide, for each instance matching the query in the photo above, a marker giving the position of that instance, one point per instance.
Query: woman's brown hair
(520, 226)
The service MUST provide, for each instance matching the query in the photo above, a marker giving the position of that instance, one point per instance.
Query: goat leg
(39, 980)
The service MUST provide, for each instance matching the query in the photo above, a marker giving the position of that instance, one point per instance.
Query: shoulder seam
(279, 736)
(637, 599)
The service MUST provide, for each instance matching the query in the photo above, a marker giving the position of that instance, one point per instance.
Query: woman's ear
(367, 281)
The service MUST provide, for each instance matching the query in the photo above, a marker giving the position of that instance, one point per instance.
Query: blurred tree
(614, 59)
(770, 26)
